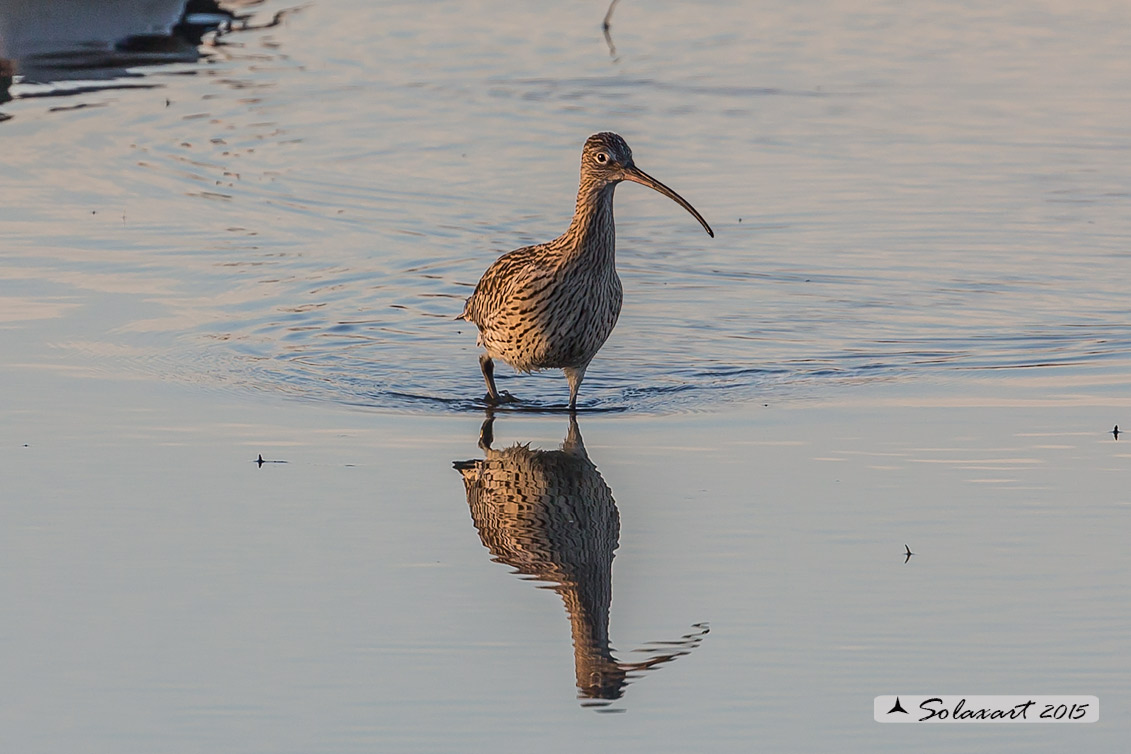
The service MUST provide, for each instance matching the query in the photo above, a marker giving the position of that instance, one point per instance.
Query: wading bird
(552, 306)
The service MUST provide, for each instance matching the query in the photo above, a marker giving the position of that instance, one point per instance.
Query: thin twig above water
(605, 25)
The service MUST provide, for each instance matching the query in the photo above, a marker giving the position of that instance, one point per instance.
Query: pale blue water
(910, 328)
(311, 222)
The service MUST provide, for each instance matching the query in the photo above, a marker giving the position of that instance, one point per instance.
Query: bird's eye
(602, 158)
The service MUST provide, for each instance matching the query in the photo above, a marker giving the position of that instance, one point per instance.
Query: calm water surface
(910, 328)
(897, 195)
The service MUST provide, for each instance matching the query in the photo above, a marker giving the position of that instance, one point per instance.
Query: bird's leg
(574, 376)
(493, 397)
(488, 368)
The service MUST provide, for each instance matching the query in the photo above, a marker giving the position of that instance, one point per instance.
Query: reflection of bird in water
(550, 515)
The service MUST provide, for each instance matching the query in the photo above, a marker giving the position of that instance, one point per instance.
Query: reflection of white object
(49, 27)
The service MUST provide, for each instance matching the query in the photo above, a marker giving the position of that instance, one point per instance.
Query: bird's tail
(466, 313)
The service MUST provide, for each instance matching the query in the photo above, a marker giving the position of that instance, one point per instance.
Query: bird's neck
(592, 234)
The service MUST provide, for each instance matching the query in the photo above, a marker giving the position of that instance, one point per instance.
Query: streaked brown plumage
(552, 306)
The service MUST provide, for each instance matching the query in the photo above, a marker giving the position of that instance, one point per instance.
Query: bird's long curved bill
(636, 175)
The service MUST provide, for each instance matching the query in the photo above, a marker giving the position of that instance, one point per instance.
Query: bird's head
(607, 159)
(606, 155)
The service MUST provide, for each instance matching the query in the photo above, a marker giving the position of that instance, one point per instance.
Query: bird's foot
(503, 397)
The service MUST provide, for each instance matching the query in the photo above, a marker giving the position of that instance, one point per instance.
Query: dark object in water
(606, 24)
